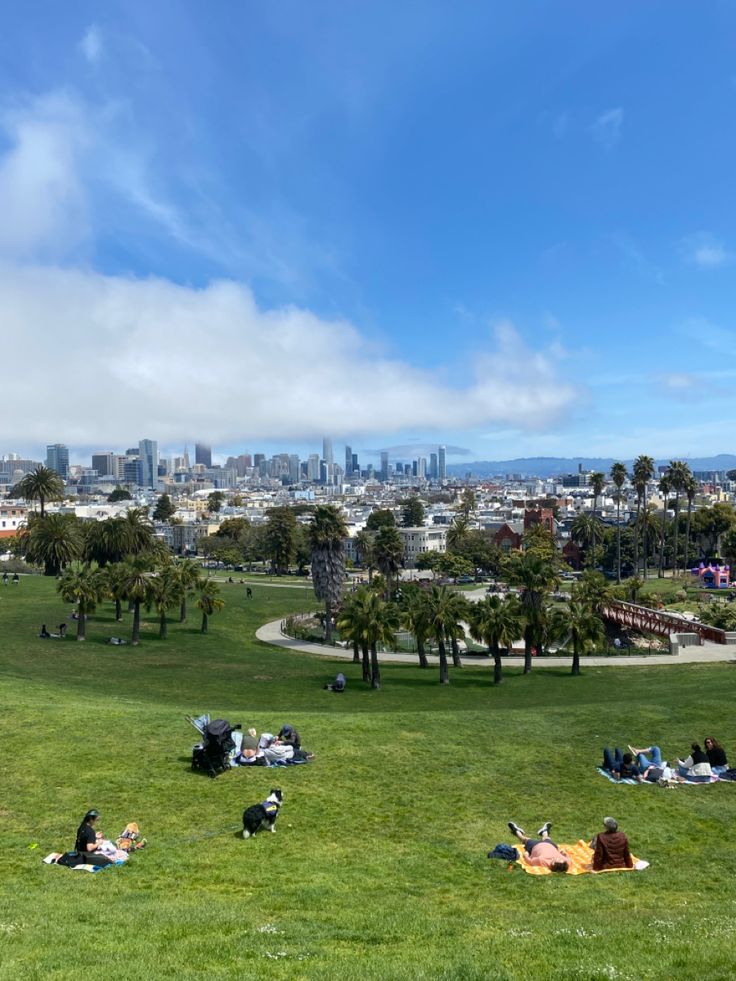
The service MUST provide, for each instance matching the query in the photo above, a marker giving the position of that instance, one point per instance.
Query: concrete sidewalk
(270, 633)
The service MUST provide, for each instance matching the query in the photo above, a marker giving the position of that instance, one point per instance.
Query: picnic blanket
(581, 862)
(665, 783)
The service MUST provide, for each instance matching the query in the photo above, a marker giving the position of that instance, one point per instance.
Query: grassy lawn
(379, 867)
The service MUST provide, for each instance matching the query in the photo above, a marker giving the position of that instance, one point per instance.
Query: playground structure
(712, 576)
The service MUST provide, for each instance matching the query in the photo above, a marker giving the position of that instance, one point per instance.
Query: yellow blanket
(581, 861)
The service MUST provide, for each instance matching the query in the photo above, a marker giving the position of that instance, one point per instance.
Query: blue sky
(505, 228)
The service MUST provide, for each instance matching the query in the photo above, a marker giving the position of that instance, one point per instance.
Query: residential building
(417, 541)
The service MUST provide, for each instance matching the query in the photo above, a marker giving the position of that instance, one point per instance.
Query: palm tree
(115, 583)
(643, 471)
(388, 550)
(364, 550)
(583, 532)
(497, 622)
(83, 585)
(135, 576)
(350, 624)
(381, 621)
(597, 482)
(593, 590)
(691, 489)
(209, 601)
(327, 534)
(140, 532)
(108, 541)
(42, 484)
(461, 611)
(537, 578)
(618, 476)
(415, 616)
(665, 486)
(442, 623)
(457, 533)
(190, 577)
(581, 627)
(164, 591)
(52, 541)
(679, 473)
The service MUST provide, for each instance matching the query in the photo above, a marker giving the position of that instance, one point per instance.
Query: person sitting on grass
(542, 851)
(716, 755)
(621, 765)
(88, 841)
(611, 848)
(43, 632)
(338, 684)
(696, 767)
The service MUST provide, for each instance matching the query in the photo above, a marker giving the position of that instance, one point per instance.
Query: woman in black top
(716, 755)
(86, 843)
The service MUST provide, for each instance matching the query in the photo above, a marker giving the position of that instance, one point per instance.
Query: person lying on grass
(611, 848)
(542, 850)
(620, 765)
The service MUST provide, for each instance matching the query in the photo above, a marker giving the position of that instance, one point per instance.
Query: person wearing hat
(86, 843)
(611, 848)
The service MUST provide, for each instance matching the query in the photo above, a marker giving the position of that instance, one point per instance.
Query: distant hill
(553, 466)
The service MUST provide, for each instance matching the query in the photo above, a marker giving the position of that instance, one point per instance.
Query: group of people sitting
(44, 634)
(610, 848)
(92, 848)
(267, 749)
(647, 764)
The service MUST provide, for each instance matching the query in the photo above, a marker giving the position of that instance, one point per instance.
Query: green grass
(378, 869)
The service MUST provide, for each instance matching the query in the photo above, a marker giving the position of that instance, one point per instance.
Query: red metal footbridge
(656, 622)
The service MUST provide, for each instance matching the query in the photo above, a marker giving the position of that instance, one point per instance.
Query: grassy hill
(378, 869)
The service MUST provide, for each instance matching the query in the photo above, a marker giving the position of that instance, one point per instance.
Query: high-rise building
(356, 465)
(442, 463)
(327, 452)
(293, 468)
(148, 460)
(104, 464)
(422, 468)
(258, 460)
(313, 466)
(57, 458)
(203, 454)
(348, 461)
(384, 465)
(433, 467)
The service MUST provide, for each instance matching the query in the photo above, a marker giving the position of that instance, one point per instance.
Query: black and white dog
(259, 816)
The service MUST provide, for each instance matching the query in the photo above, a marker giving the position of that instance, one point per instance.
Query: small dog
(264, 815)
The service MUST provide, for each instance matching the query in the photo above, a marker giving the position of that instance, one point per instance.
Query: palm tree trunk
(528, 643)
(637, 532)
(618, 538)
(687, 534)
(575, 659)
(42, 502)
(203, 628)
(676, 530)
(662, 536)
(592, 548)
(183, 610)
(497, 666)
(82, 626)
(162, 627)
(366, 664)
(646, 535)
(118, 610)
(375, 670)
(444, 672)
(423, 662)
(328, 622)
(356, 652)
(456, 662)
(135, 639)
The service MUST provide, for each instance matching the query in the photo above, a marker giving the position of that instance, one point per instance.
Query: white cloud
(110, 359)
(606, 129)
(705, 251)
(91, 44)
(42, 200)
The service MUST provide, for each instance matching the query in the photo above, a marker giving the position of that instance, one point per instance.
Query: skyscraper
(327, 452)
(313, 466)
(384, 465)
(148, 463)
(203, 454)
(433, 467)
(442, 464)
(348, 461)
(57, 458)
(104, 464)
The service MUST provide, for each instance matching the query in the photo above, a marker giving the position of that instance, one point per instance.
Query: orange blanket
(581, 861)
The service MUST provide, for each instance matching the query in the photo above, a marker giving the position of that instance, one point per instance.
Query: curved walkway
(270, 633)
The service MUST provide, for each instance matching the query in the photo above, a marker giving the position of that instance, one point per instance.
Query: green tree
(597, 483)
(665, 486)
(442, 623)
(190, 579)
(233, 529)
(209, 601)
(618, 476)
(457, 533)
(414, 613)
(580, 626)
(388, 552)
(643, 471)
(540, 541)
(381, 518)
(42, 484)
(137, 570)
(412, 513)
(165, 508)
(497, 622)
(108, 541)
(352, 626)
(364, 551)
(281, 538)
(592, 590)
(215, 501)
(141, 537)
(53, 541)
(381, 621)
(119, 494)
(691, 489)
(584, 530)
(165, 590)
(115, 586)
(679, 474)
(327, 534)
(466, 503)
(537, 578)
(83, 585)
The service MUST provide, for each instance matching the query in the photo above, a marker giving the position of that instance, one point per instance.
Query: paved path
(708, 653)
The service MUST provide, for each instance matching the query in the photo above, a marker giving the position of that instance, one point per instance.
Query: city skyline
(502, 240)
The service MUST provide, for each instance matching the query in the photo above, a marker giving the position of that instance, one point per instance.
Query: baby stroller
(219, 740)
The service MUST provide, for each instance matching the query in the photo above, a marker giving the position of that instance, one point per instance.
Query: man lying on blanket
(542, 851)
(610, 849)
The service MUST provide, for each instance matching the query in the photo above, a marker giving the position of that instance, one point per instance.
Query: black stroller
(219, 739)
